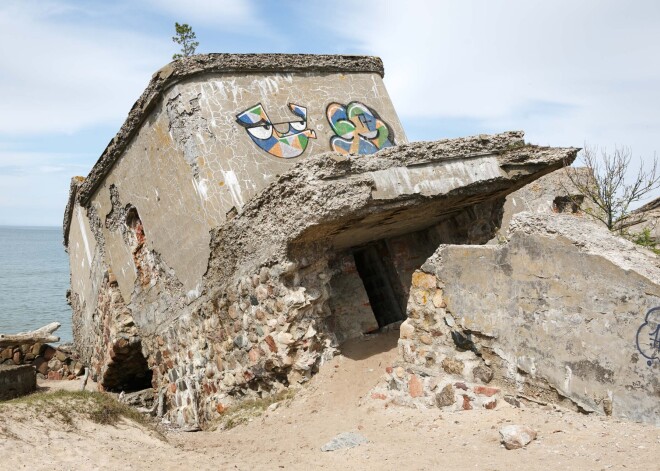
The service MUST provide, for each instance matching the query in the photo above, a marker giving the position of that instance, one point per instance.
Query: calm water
(34, 277)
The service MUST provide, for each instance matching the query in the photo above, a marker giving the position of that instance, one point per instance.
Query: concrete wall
(351, 312)
(88, 267)
(193, 163)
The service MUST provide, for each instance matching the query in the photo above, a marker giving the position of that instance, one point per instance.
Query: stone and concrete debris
(648, 219)
(552, 193)
(30, 348)
(256, 211)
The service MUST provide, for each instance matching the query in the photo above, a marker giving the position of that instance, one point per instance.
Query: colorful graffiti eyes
(648, 336)
(358, 129)
(261, 130)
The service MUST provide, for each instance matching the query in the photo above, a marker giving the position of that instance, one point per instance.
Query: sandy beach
(290, 434)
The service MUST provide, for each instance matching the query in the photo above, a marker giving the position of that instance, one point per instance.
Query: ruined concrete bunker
(254, 212)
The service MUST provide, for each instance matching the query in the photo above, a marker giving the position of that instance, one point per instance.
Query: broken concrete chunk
(516, 436)
(559, 328)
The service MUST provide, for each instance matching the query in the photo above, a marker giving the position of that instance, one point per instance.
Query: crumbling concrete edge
(510, 147)
(74, 187)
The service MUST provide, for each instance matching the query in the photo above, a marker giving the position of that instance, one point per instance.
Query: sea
(34, 277)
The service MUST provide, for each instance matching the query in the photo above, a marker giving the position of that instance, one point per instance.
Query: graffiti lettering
(358, 129)
(261, 130)
(648, 336)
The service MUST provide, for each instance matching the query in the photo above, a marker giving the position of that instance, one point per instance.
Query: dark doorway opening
(128, 371)
(381, 282)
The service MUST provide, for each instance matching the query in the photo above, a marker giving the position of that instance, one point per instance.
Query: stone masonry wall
(260, 335)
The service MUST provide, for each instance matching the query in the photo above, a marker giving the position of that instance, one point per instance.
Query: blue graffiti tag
(648, 336)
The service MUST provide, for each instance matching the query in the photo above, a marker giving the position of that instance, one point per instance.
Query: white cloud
(59, 76)
(68, 66)
(564, 71)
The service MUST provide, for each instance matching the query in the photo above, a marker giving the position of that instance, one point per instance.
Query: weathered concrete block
(16, 381)
(563, 310)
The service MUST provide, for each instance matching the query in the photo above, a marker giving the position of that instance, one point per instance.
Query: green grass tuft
(645, 240)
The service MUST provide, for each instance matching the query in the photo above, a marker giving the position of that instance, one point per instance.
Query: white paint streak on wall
(201, 188)
(201, 141)
(375, 87)
(433, 179)
(219, 87)
(235, 90)
(234, 187)
(84, 236)
(567, 379)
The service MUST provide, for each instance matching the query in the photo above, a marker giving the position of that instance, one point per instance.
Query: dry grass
(244, 411)
(67, 406)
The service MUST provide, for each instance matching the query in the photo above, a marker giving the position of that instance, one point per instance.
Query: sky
(568, 73)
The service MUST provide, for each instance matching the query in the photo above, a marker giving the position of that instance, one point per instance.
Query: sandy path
(290, 437)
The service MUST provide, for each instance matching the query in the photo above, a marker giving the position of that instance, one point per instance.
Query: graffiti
(358, 129)
(261, 129)
(648, 336)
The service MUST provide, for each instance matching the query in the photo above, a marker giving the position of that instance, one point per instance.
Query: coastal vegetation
(69, 407)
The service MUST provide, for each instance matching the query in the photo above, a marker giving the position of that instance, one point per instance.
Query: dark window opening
(381, 282)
